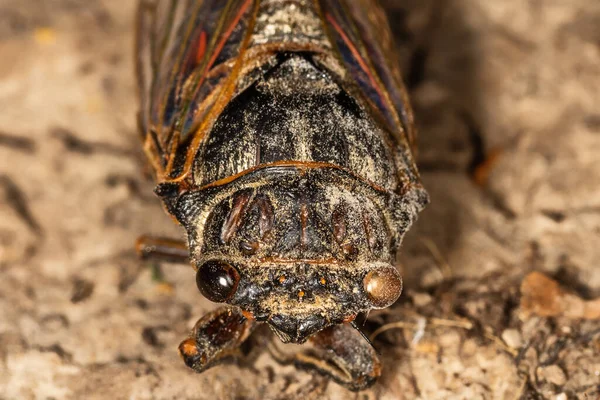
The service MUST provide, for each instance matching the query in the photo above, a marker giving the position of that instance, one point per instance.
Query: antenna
(355, 326)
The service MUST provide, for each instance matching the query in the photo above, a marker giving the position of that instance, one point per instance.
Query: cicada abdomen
(283, 142)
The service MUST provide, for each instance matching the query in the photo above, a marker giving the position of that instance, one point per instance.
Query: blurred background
(501, 270)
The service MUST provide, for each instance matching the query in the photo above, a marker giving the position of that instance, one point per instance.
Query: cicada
(282, 140)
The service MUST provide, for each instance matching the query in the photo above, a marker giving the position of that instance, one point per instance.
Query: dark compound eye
(217, 280)
(383, 286)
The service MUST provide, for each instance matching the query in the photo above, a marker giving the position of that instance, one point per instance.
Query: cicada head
(298, 253)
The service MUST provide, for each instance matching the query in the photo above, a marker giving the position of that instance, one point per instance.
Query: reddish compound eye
(383, 286)
(217, 280)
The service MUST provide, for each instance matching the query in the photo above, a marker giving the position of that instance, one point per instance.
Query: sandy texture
(507, 95)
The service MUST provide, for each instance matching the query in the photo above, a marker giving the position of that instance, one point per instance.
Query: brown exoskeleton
(283, 143)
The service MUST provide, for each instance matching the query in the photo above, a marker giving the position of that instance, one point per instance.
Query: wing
(360, 31)
(194, 56)
(188, 52)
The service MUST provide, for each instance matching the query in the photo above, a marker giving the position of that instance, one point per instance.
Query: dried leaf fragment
(543, 296)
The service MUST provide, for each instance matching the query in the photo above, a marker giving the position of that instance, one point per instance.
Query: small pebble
(421, 299)
(512, 338)
(566, 330)
(553, 374)
(45, 35)
(561, 396)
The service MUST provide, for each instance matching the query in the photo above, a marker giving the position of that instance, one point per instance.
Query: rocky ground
(507, 97)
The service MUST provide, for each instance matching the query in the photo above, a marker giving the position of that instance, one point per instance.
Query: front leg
(216, 338)
(341, 353)
(162, 249)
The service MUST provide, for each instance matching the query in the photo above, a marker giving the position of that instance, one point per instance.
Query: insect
(283, 142)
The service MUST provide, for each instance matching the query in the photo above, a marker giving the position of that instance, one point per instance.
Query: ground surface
(507, 95)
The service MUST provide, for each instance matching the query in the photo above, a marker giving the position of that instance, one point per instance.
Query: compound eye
(383, 286)
(217, 280)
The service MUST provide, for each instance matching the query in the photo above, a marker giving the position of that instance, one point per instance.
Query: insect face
(296, 254)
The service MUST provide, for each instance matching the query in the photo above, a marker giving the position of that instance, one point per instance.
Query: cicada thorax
(295, 112)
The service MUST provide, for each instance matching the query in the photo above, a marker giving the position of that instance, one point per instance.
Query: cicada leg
(162, 249)
(216, 337)
(341, 353)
